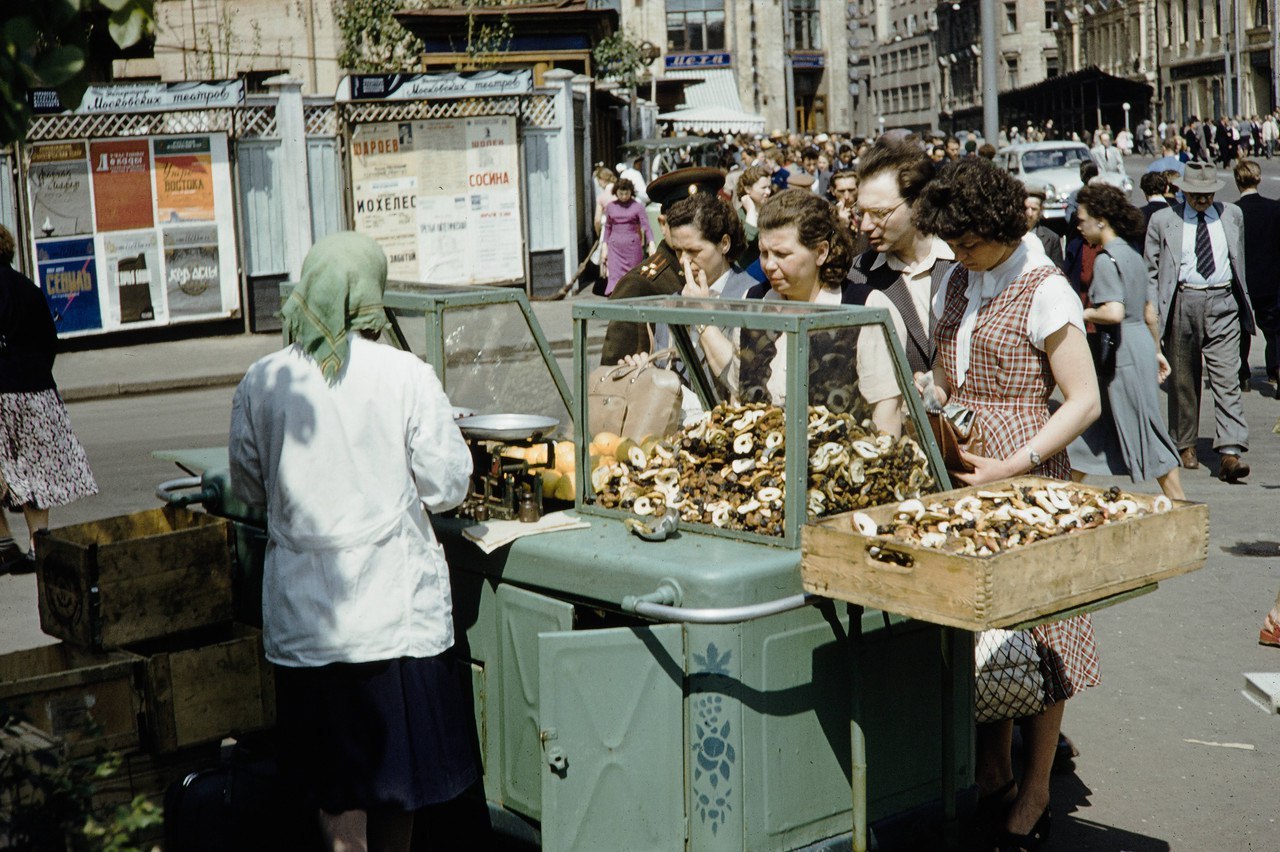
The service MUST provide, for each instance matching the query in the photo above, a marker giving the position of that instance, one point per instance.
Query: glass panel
(715, 31)
(675, 32)
(693, 32)
(493, 365)
(414, 327)
(721, 461)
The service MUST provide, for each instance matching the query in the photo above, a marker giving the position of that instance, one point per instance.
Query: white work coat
(353, 571)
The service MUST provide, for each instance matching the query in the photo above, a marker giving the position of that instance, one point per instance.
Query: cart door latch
(557, 760)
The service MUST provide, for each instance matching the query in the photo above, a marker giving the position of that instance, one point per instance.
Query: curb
(110, 390)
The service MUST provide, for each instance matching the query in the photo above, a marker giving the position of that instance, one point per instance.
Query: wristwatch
(1035, 457)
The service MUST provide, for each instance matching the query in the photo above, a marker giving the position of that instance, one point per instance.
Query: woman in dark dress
(42, 465)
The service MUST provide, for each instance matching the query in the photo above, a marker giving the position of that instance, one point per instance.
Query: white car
(1055, 168)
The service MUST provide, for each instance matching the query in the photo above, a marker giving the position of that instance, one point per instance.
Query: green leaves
(619, 58)
(46, 45)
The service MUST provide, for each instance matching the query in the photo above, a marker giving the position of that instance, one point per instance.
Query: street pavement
(1172, 755)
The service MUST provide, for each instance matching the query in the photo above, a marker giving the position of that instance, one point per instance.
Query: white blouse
(353, 571)
(1053, 305)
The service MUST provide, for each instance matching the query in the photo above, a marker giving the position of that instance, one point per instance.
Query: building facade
(905, 79)
(1216, 57)
(785, 59)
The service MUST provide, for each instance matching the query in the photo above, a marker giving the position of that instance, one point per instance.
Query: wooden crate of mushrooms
(1005, 553)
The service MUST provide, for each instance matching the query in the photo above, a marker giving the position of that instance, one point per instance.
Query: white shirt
(1053, 305)
(1187, 272)
(353, 572)
(877, 379)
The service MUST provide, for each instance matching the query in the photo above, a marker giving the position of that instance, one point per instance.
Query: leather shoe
(1189, 460)
(1232, 469)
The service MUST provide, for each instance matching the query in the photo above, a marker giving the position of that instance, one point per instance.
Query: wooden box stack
(151, 665)
(1012, 587)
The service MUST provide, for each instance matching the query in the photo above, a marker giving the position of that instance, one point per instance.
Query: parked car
(1055, 168)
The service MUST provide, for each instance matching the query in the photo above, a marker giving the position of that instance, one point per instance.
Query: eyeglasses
(878, 216)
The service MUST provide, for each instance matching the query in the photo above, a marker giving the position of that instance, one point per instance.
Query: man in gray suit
(1196, 268)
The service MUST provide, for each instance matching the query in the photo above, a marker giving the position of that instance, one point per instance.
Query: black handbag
(1104, 340)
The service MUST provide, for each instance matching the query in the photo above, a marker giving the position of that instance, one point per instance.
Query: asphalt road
(1172, 756)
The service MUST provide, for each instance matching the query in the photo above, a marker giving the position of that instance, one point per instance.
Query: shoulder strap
(918, 345)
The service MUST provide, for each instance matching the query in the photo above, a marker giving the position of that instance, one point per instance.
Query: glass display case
(725, 468)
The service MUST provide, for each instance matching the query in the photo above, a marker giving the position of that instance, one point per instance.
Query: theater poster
(157, 220)
(466, 209)
(68, 277)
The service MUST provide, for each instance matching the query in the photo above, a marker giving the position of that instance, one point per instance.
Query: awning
(712, 105)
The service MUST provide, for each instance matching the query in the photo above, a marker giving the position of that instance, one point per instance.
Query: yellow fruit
(566, 456)
(606, 442)
(623, 449)
(550, 479)
(565, 488)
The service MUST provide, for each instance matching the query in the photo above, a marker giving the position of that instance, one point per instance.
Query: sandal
(1029, 842)
(1270, 633)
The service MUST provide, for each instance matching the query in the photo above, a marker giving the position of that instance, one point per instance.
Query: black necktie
(1204, 249)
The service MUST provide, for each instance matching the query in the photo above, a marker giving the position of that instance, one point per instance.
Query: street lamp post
(882, 125)
(1126, 115)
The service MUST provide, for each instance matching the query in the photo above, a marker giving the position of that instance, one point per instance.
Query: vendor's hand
(984, 469)
(695, 281)
(748, 206)
(1163, 370)
(638, 359)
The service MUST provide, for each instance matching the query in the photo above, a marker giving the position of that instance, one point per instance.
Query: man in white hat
(1196, 268)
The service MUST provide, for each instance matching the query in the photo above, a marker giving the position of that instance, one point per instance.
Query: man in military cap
(658, 274)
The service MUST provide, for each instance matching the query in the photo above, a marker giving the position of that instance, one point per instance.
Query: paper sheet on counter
(491, 535)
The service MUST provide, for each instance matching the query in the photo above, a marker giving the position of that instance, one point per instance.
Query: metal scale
(506, 488)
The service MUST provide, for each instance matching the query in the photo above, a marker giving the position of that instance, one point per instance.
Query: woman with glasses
(1009, 330)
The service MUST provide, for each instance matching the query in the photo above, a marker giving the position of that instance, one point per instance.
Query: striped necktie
(1204, 249)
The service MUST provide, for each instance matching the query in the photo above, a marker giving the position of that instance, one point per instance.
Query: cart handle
(657, 605)
(164, 491)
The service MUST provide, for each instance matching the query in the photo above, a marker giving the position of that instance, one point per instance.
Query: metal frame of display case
(796, 320)
(435, 299)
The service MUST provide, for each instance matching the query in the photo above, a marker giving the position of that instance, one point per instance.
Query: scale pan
(508, 427)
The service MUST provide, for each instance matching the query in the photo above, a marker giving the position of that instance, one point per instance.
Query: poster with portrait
(184, 180)
(58, 180)
(121, 184)
(68, 276)
(134, 290)
(466, 214)
(191, 271)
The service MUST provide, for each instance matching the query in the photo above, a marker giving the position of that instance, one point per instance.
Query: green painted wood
(611, 709)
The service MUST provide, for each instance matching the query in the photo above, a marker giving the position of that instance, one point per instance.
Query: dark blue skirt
(394, 734)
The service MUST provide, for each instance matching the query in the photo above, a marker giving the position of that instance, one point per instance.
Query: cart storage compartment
(87, 698)
(134, 577)
(204, 686)
(1013, 586)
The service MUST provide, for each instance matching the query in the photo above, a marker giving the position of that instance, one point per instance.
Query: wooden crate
(89, 699)
(1011, 587)
(134, 577)
(204, 686)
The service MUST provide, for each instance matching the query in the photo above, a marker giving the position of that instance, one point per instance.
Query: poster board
(135, 232)
(442, 197)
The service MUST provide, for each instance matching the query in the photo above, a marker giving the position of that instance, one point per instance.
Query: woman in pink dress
(1009, 329)
(625, 222)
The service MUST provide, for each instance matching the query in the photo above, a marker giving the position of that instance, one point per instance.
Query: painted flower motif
(714, 754)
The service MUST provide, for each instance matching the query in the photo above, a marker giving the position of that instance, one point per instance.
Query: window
(1050, 15)
(1011, 68)
(1200, 20)
(1260, 13)
(1010, 16)
(806, 25)
(694, 25)
(1051, 66)
(1217, 17)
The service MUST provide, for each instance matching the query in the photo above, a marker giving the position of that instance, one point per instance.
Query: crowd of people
(990, 308)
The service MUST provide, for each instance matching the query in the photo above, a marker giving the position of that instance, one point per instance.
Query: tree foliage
(619, 58)
(45, 44)
(373, 42)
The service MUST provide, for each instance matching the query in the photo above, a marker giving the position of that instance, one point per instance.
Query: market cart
(684, 693)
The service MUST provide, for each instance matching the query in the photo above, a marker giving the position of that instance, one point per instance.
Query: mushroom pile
(727, 469)
(988, 521)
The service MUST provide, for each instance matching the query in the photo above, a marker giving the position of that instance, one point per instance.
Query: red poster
(121, 184)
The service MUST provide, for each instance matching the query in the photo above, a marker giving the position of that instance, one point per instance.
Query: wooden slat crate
(89, 699)
(108, 583)
(204, 686)
(1013, 586)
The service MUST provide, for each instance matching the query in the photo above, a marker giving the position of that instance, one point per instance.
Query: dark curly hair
(8, 246)
(815, 220)
(713, 218)
(1110, 204)
(973, 196)
(624, 185)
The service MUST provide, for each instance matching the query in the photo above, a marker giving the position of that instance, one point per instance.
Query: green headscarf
(343, 279)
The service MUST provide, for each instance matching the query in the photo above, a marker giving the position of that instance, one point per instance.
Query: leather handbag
(634, 402)
(955, 428)
(1008, 682)
(1104, 340)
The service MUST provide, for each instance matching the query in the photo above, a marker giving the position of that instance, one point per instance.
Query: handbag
(1104, 340)
(1008, 682)
(955, 428)
(634, 402)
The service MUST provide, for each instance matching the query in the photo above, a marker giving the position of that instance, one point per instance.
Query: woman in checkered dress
(1009, 330)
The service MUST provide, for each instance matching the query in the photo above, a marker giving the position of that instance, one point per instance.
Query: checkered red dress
(1008, 385)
